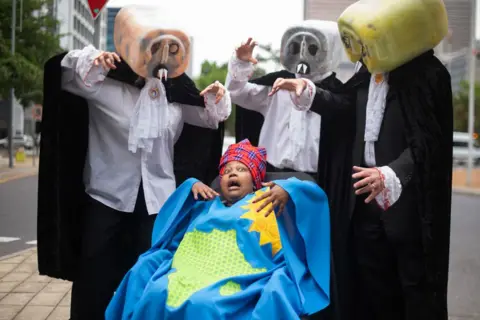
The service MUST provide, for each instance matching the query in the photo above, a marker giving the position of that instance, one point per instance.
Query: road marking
(8, 239)
(18, 176)
(33, 242)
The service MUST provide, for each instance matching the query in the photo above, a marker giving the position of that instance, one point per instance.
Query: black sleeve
(403, 167)
(327, 103)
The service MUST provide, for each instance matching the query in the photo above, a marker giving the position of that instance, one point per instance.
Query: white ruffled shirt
(377, 97)
(290, 132)
(132, 132)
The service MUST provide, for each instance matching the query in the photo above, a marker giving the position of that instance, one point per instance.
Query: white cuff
(304, 102)
(240, 70)
(392, 191)
(216, 113)
(82, 62)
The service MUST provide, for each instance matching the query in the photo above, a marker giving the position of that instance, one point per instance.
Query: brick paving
(25, 295)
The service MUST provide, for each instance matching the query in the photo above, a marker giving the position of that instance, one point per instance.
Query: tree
(212, 72)
(460, 108)
(35, 43)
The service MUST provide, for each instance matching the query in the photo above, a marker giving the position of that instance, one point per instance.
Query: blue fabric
(261, 281)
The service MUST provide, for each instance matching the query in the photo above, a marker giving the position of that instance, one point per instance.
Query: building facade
(77, 27)
(111, 14)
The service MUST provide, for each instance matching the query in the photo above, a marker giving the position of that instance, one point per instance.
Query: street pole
(12, 90)
(471, 93)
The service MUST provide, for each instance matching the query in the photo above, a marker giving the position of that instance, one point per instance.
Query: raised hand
(294, 85)
(217, 89)
(207, 193)
(245, 51)
(276, 196)
(107, 60)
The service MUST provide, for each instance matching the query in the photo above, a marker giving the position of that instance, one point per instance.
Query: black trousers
(391, 282)
(111, 244)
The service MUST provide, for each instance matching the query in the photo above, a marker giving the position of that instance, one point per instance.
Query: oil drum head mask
(312, 47)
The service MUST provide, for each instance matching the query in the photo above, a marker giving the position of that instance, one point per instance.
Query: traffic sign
(37, 112)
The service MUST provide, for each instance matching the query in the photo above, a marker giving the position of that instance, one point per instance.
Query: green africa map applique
(203, 259)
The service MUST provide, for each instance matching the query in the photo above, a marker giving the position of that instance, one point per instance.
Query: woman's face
(236, 181)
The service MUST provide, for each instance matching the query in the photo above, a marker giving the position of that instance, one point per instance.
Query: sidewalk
(25, 295)
(460, 178)
(20, 169)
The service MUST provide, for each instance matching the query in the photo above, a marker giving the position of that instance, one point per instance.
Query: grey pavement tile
(58, 287)
(34, 313)
(28, 267)
(66, 300)
(16, 259)
(16, 276)
(2, 274)
(7, 287)
(60, 313)
(7, 267)
(47, 299)
(16, 299)
(30, 287)
(38, 278)
(9, 312)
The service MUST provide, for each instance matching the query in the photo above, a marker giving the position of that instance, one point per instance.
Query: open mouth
(303, 68)
(233, 184)
(162, 71)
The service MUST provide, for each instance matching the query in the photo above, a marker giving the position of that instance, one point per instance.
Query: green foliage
(460, 108)
(212, 72)
(35, 43)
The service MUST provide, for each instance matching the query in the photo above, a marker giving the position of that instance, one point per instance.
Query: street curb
(11, 255)
(466, 191)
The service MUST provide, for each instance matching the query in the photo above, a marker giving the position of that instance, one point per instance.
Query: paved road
(18, 214)
(18, 221)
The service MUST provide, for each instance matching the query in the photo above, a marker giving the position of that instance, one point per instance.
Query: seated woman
(230, 258)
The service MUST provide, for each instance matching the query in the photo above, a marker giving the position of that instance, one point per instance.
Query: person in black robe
(334, 156)
(402, 250)
(62, 201)
(310, 49)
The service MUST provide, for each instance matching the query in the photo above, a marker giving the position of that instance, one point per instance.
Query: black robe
(422, 90)
(61, 192)
(334, 165)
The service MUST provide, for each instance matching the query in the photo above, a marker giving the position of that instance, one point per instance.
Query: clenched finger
(363, 190)
(272, 208)
(219, 95)
(207, 89)
(263, 196)
(372, 196)
(267, 202)
(364, 182)
(116, 57)
(280, 210)
(195, 194)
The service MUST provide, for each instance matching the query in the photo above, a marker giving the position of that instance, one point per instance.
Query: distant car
(460, 148)
(227, 140)
(25, 141)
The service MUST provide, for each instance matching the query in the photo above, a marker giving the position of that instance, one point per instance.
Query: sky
(217, 26)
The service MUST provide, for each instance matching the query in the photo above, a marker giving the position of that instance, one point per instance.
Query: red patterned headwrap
(254, 158)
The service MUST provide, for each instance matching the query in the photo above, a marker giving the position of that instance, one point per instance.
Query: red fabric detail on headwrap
(254, 158)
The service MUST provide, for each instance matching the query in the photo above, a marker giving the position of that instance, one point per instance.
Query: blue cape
(210, 261)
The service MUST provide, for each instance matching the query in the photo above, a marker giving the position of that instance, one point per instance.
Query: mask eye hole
(294, 48)
(173, 48)
(155, 48)
(312, 49)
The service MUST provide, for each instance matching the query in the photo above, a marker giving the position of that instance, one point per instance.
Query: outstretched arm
(240, 69)
(218, 107)
(83, 71)
(307, 96)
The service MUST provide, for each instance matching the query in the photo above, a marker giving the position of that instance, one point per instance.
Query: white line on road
(33, 242)
(8, 239)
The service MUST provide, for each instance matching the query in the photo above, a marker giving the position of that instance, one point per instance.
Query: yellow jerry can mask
(386, 34)
(149, 50)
